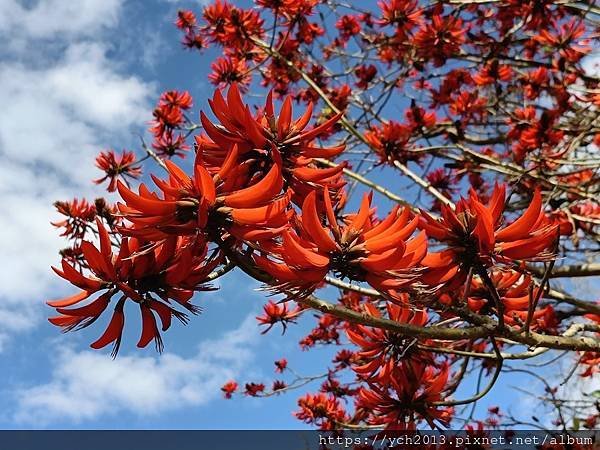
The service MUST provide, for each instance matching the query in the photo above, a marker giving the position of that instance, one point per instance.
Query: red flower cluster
(278, 313)
(281, 365)
(408, 398)
(259, 138)
(493, 72)
(476, 240)
(254, 389)
(117, 166)
(530, 133)
(440, 39)
(246, 172)
(364, 75)
(516, 291)
(382, 353)
(229, 389)
(404, 15)
(229, 70)
(390, 142)
(360, 249)
(237, 194)
(402, 380)
(168, 119)
(187, 203)
(327, 331)
(149, 275)
(322, 410)
(79, 215)
(445, 182)
(348, 26)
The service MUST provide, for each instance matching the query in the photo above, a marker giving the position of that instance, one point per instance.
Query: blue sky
(77, 77)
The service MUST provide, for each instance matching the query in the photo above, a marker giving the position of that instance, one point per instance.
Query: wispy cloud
(49, 18)
(200, 2)
(87, 385)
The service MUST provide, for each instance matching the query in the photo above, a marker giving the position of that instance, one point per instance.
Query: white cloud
(12, 321)
(86, 84)
(88, 385)
(63, 99)
(200, 2)
(48, 18)
(591, 64)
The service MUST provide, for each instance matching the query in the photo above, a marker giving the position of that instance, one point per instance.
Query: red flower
(116, 166)
(254, 389)
(494, 410)
(588, 209)
(280, 76)
(278, 313)
(379, 253)
(530, 133)
(439, 40)
(469, 106)
(344, 358)
(365, 75)
(591, 421)
(231, 26)
(516, 291)
(407, 398)
(229, 389)
(591, 363)
(282, 6)
(404, 14)
(308, 31)
(590, 360)
(340, 96)
(535, 81)
(418, 118)
(178, 99)
(281, 365)
(79, 216)
(216, 15)
(258, 137)
(381, 351)
(266, 194)
(476, 240)
(455, 80)
(493, 72)
(186, 20)
(348, 26)
(326, 332)
(333, 386)
(166, 117)
(193, 40)
(390, 142)
(151, 276)
(565, 38)
(444, 182)
(254, 211)
(168, 145)
(278, 385)
(227, 71)
(322, 410)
